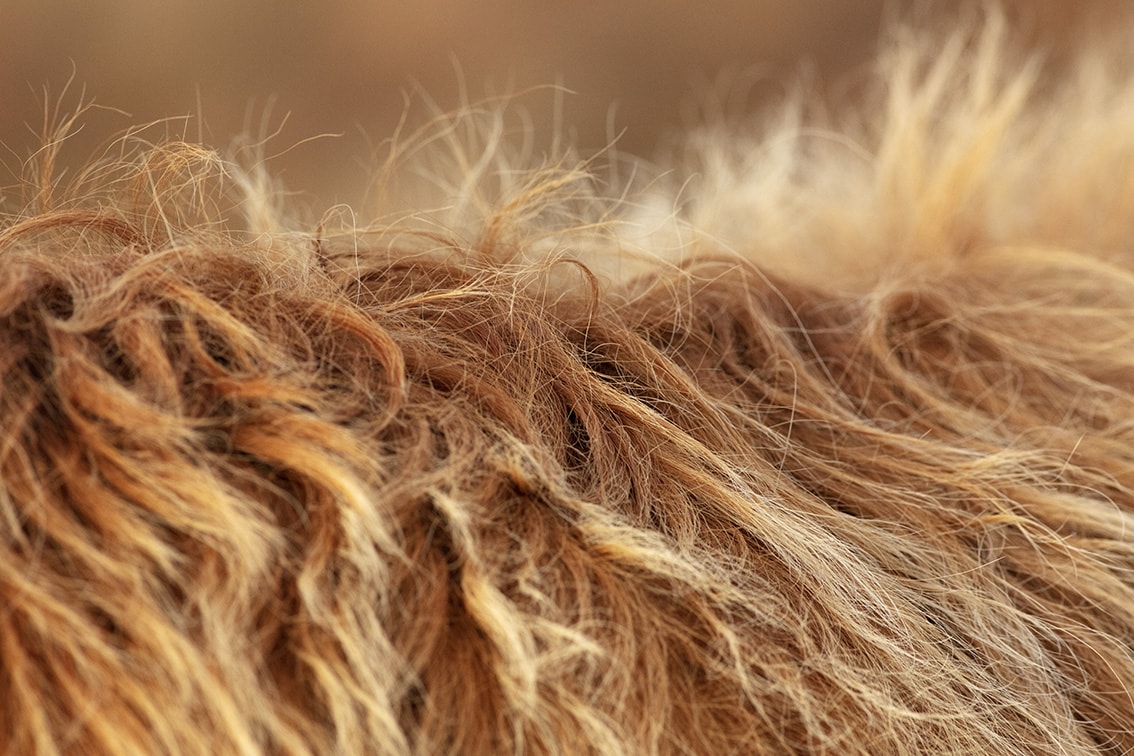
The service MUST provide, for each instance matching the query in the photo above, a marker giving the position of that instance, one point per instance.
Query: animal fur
(823, 443)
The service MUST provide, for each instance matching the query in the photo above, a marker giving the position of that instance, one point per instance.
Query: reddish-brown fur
(419, 490)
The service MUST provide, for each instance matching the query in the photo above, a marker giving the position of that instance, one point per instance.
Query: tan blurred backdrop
(220, 67)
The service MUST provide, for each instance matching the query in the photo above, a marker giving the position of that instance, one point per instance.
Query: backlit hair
(822, 443)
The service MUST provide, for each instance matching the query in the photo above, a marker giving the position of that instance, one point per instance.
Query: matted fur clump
(829, 449)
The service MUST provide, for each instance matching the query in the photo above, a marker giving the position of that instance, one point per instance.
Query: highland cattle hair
(821, 441)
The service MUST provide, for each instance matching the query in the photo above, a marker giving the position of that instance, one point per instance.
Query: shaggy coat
(821, 443)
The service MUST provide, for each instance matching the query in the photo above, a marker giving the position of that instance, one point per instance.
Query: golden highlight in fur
(821, 444)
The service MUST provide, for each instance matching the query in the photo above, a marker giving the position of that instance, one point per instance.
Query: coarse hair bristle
(819, 444)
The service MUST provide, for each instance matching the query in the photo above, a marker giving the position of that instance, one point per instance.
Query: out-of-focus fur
(827, 447)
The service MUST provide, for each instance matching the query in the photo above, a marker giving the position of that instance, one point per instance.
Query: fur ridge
(818, 442)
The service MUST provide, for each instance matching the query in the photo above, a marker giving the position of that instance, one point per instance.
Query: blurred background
(633, 68)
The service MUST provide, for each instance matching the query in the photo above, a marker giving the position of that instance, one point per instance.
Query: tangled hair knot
(526, 488)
